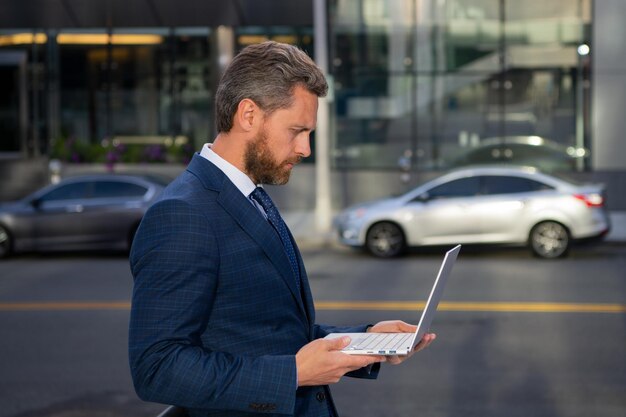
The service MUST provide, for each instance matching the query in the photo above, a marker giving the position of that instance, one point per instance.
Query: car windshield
(69, 192)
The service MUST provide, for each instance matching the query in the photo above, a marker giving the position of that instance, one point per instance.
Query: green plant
(69, 149)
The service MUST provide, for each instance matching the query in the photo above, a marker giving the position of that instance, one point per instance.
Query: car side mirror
(423, 198)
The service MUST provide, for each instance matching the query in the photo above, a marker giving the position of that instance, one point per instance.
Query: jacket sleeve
(174, 261)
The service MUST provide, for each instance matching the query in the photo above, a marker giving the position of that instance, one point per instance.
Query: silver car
(86, 212)
(494, 205)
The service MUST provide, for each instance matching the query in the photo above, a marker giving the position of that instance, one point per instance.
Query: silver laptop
(402, 343)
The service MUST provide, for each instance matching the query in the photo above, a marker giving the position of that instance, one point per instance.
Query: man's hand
(397, 326)
(321, 362)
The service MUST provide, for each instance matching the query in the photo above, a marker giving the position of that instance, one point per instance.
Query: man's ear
(248, 115)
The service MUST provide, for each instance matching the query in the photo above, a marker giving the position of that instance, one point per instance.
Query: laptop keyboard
(377, 342)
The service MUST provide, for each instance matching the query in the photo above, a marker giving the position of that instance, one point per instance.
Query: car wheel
(5, 242)
(385, 240)
(549, 240)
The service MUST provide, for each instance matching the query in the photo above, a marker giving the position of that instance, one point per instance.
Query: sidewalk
(302, 225)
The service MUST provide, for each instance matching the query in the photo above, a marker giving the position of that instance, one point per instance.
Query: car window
(463, 187)
(499, 184)
(108, 189)
(73, 191)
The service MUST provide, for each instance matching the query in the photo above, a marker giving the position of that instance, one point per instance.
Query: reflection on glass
(427, 81)
(23, 108)
(136, 86)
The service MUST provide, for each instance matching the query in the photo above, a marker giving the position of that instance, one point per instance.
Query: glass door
(13, 105)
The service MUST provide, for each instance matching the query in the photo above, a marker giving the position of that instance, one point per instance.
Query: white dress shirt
(241, 180)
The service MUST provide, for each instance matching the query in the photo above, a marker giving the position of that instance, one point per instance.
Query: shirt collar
(241, 180)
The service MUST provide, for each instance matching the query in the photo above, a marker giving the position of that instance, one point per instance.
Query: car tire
(549, 240)
(385, 240)
(6, 242)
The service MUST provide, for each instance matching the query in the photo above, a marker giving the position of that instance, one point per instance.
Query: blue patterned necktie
(260, 196)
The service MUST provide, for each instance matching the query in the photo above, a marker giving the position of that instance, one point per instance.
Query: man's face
(282, 140)
(261, 165)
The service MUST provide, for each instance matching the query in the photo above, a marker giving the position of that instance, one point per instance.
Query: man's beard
(261, 166)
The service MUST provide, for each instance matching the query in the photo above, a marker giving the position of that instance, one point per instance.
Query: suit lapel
(307, 297)
(250, 220)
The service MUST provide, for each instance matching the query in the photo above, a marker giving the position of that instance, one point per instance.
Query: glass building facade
(103, 86)
(417, 85)
(423, 85)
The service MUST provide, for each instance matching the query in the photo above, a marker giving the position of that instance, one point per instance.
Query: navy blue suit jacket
(216, 318)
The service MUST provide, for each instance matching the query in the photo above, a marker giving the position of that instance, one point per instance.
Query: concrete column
(223, 42)
(609, 85)
(323, 192)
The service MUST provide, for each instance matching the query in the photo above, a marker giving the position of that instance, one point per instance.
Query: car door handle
(74, 208)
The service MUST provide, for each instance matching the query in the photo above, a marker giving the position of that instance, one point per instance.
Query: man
(222, 319)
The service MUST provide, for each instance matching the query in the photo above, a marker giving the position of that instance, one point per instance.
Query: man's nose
(303, 145)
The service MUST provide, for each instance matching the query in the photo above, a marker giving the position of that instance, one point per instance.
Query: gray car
(84, 212)
(483, 205)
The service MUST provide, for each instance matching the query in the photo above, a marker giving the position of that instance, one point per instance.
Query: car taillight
(591, 200)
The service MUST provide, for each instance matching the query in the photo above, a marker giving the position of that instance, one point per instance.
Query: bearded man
(222, 318)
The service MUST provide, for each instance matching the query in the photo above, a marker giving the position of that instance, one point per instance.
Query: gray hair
(267, 74)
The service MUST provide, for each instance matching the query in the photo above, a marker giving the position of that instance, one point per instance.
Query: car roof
(514, 170)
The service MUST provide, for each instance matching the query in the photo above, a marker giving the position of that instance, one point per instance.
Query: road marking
(517, 307)
(66, 305)
(530, 307)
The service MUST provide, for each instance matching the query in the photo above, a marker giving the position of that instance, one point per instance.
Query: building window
(425, 82)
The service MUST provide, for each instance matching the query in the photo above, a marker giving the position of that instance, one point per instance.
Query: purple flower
(111, 157)
(154, 153)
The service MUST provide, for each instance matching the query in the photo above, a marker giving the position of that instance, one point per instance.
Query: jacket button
(320, 396)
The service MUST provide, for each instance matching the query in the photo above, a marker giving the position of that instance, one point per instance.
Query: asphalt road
(517, 336)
